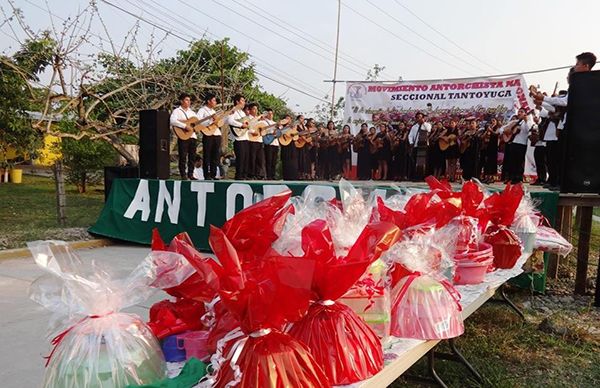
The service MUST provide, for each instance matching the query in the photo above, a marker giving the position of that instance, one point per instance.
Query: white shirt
(179, 115)
(559, 101)
(414, 133)
(550, 134)
(273, 129)
(198, 173)
(205, 112)
(232, 120)
(522, 136)
(257, 139)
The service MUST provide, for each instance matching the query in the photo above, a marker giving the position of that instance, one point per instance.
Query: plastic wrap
(426, 308)
(506, 245)
(369, 298)
(168, 318)
(525, 223)
(94, 344)
(253, 291)
(549, 240)
(342, 343)
(500, 207)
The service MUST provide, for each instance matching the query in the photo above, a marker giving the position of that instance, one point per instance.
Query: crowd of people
(489, 147)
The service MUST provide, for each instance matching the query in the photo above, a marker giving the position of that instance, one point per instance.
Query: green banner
(136, 206)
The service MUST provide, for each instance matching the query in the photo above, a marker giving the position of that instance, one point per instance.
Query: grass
(509, 353)
(28, 211)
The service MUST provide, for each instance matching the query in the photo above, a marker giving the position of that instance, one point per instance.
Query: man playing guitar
(241, 146)
(211, 144)
(186, 149)
(516, 146)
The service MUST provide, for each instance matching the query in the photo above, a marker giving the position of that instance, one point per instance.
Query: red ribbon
(58, 339)
(451, 290)
(370, 288)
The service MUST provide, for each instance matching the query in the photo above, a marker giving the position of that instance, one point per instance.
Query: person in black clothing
(384, 151)
(289, 161)
(436, 162)
(489, 151)
(470, 157)
(303, 162)
(345, 153)
(401, 152)
(360, 145)
(372, 145)
(451, 153)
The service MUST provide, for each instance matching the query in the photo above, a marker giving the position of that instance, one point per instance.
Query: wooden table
(585, 204)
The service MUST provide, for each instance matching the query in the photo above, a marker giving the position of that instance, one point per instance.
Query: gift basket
(341, 342)
(259, 354)
(94, 343)
(525, 224)
(501, 208)
(424, 303)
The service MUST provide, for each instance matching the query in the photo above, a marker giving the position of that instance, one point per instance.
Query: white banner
(483, 98)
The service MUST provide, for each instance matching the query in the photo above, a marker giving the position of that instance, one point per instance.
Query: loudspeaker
(154, 144)
(582, 135)
(112, 173)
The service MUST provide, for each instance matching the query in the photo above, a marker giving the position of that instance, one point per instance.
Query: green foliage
(17, 95)
(323, 112)
(84, 158)
(267, 100)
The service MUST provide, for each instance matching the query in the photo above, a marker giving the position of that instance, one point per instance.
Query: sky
(292, 42)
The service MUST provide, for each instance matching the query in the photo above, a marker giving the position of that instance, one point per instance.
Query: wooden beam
(583, 249)
(597, 296)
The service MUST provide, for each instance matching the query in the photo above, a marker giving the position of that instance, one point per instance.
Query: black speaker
(582, 135)
(154, 144)
(112, 173)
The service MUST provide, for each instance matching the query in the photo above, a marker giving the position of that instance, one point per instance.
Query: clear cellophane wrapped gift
(342, 343)
(424, 303)
(94, 343)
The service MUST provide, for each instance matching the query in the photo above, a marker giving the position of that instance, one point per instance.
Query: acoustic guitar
(248, 121)
(288, 134)
(446, 141)
(194, 124)
(260, 128)
(304, 138)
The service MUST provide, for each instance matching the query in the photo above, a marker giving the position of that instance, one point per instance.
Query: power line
(465, 78)
(192, 27)
(302, 35)
(283, 37)
(445, 36)
(259, 61)
(403, 40)
(189, 42)
(422, 37)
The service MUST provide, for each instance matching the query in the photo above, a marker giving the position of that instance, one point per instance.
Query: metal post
(61, 197)
(337, 43)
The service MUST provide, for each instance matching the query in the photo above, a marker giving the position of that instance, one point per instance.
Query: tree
(323, 111)
(18, 95)
(103, 92)
(83, 158)
(374, 73)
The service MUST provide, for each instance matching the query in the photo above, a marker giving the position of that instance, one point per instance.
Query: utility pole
(337, 43)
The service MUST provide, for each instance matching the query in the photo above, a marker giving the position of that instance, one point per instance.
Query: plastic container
(483, 252)
(171, 349)
(195, 344)
(16, 175)
(471, 272)
(528, 239)
(426, 311)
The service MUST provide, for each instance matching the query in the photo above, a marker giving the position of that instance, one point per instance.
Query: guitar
(304, 138)
(194, 124)
(248, 122)
(446, 141)
(465, 140)
(288, 134)
(259, 128)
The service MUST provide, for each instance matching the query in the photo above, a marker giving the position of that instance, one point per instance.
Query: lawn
(28, 211)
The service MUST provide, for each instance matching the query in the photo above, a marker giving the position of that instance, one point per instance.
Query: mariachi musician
(211, 144)
(417, 139)
(515, 135)
(469, 149)
(360, 146)
(186, 149)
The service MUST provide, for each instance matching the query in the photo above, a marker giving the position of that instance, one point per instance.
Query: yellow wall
(47, 155)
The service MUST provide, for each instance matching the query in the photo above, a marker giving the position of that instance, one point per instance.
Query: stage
(136, 206)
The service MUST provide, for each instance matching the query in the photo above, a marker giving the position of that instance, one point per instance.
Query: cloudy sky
(292, 42)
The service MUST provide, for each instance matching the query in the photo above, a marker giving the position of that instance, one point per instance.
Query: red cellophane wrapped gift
(506, 245)
(262, 294)
(202, 286)
(341, 342)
